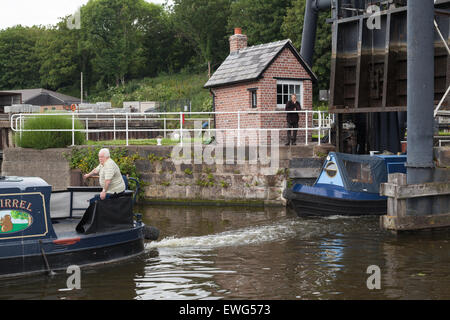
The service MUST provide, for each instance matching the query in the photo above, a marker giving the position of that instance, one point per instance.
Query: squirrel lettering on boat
(6, 223)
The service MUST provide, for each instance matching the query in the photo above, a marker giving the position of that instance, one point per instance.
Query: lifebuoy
(73, 107)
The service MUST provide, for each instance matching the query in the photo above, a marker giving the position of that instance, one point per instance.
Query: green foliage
(188, 171)
(161, 88)
(86, 159)
(203, 23)
(44, 140)
(208, 182)
(260, 20)
(19, 63)
(224, 184)
(15, 214)
(152, 157)
(121, 41)
(292, 28)
(138, 142)
(114, 29)
(57, 51)
(289, 183)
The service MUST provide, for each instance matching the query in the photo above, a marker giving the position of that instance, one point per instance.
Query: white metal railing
(315, 121)
(444, 116)
(443, 141)
(444, 41)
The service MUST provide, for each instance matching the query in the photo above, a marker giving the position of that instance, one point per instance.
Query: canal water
(260, 253)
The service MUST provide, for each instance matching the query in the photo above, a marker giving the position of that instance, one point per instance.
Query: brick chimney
(238, 41)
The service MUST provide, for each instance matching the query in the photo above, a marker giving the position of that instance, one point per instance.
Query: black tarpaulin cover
(362, 173)
(107, 215)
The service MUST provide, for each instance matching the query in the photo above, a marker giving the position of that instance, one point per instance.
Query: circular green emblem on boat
(14, 221)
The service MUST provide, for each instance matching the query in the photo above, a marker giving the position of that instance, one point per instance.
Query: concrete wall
(48, 164)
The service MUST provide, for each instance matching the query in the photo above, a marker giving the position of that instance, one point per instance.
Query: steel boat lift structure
(390, 59)
(369, 69)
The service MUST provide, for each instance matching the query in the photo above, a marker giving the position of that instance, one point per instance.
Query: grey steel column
(310, 27)
(420, 88)
(309, 32)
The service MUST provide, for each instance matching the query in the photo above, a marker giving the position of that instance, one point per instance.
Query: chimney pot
(238, 41)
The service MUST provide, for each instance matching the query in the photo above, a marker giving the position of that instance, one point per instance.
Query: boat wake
(246, 236)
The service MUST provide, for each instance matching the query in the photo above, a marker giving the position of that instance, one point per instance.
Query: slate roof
(250, 63)
(44, 97)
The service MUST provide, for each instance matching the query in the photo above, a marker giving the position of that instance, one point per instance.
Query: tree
(114, 30)
(57, 50)
(261, 20)
(204, 24)
(292, 28)
(165, 50)
(19, 63)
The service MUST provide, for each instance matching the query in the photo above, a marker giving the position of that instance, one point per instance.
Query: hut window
(285, 88)
(253, 98)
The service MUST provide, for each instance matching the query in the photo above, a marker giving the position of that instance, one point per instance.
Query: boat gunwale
(87, 265)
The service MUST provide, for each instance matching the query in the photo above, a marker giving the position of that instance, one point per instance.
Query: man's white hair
(105, 152)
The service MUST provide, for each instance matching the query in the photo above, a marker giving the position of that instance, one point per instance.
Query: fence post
(114, 126)
(329, 126)
(239, 128)
(87, 129)
(320, 126)
(126, 127)
(165, 127)
(21, 125)
(181, 129)
(73, 129)
(306, 127)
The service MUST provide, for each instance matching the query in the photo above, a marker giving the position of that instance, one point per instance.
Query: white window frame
(290, 83)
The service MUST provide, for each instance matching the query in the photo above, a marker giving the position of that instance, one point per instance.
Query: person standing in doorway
(292, 119)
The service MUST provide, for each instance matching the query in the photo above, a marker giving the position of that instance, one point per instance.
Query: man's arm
(105, 189)
(94, 171)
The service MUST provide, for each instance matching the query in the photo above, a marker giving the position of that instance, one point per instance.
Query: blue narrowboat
(41, 231)
(347, 185)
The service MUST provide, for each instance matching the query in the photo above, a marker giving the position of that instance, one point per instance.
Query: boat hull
(88, 251)
(307, 204)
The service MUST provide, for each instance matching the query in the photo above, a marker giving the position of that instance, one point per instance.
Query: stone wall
(248, 180)
(164, 179)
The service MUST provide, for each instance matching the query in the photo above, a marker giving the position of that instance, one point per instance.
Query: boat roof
(364, 173)
(22, 183)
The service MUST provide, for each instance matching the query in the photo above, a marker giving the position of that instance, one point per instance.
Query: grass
(44, 140)
(141, 142)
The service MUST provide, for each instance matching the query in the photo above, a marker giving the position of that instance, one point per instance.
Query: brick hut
(260, 78)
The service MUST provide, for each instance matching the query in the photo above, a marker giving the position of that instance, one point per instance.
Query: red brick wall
(238, 98)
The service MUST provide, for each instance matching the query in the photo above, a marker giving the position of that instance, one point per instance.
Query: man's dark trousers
(292, 134)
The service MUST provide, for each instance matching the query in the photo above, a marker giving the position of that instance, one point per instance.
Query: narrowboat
(347, 185)
(42, 232)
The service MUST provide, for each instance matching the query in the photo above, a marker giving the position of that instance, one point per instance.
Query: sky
(39, 12)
